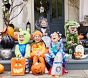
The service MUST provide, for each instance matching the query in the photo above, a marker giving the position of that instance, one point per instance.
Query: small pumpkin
(80, 36)
(1, 68)
(16, 36)
(7, 42)
(38, 69)
(77, 55)
(9, 30)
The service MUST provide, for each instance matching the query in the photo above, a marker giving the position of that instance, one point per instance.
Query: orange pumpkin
(8, 30)
(77, 55)
(18, 66)
(38, 69)
(1, 68)
(80, 36)
(16, 36)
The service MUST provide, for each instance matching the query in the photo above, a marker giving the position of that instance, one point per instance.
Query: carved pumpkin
(9, 30)
(18, 66)
(38, 69)
(80, 36)
(7, 42)
(1, 68)
(79, 52)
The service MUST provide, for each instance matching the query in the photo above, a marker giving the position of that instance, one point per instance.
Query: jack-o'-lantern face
(79, 51)
(38, 69)
(18, 67)
(78, 55)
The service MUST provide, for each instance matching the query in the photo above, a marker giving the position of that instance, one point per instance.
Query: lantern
(18, 66)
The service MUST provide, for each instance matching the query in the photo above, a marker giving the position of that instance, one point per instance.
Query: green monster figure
(71, 34)
(23, 48)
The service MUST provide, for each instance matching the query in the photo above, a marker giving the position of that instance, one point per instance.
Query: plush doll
(43, 26)
(23, 48)
(55, 47)
(37, 54)
(71, 34)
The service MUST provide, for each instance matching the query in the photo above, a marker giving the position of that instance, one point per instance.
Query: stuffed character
(79, 52)
(43, 26)
(38, 51)
(23, 48)
(55, 47)
(71, 34)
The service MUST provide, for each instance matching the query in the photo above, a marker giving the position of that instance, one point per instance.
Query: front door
(54, 12)
(56, 16)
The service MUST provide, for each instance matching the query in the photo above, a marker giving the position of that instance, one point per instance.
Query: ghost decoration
(79, 52)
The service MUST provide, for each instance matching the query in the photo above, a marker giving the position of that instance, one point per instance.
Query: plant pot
(6, 54)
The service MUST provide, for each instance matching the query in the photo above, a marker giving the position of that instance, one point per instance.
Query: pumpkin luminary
(18, 66)
(1, 68)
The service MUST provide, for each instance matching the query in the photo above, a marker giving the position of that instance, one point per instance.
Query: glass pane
(37, 6)
(59, 8)
(53, 8)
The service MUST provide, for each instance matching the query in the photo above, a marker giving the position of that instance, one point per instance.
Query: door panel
(56, 16)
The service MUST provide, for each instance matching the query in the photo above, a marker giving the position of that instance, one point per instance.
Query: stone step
(71, 64)
(77, 64)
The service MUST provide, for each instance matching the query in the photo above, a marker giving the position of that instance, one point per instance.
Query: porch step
(71, 64)
(77, 64)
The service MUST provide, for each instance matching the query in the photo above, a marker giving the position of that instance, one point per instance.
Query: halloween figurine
(79, 52)
(43, 26)
(23, 48)
(37, 54)
(71, 34)
(56, 47)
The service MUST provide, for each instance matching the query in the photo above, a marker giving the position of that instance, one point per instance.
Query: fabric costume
(71, 37)
(38, 49)
(53, 50)
(23, 48)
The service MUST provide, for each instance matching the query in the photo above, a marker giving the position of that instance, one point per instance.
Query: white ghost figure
(80, 49)
(57, 64)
